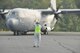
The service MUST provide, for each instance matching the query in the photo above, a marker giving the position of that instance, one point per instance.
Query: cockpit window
(45, 24)
(13, 12)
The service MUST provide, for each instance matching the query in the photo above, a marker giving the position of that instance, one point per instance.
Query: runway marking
(65, 47)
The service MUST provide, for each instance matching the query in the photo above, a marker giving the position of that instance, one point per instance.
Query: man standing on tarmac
(37, 35)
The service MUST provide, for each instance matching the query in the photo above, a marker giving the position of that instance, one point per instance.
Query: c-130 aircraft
(21, 20)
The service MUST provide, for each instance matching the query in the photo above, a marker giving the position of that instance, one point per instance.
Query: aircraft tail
(53, 4)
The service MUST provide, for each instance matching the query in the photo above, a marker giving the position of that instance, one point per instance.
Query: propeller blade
(53, 5)
(52, 9)
(58, 16)
(58, 7)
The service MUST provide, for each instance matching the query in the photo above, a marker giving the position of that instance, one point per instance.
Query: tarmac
(54, 42)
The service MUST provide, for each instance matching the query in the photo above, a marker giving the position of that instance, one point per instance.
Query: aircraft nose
(48, 29)
(12, 23)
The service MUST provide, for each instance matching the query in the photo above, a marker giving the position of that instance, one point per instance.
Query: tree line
(68, 22)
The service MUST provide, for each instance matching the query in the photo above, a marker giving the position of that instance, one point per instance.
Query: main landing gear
(19, 33)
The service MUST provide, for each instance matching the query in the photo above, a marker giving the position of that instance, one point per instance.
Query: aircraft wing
(61, 11)
(50, 11)
(66, 11)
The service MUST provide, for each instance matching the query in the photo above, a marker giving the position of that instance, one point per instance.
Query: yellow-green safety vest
(37, 28)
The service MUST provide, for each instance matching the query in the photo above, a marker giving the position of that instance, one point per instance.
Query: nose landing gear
(45, 32)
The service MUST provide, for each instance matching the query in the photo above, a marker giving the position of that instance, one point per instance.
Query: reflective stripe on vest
(37, 29)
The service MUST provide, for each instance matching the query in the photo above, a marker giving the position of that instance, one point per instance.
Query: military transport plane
(22, 20)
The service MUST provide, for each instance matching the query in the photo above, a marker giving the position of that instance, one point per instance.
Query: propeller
(54, 9)
(56, 13)
(2, 14)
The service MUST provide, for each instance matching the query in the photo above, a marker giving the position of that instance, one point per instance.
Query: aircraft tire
(18, 33)
(45, 33)
(24, 33)
(14, 33)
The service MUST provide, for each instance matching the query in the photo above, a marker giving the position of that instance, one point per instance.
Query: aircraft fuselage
(23, 20)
